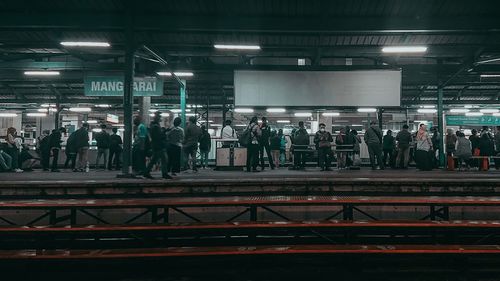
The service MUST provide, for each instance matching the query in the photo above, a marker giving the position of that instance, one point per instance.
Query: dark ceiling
(459, 35)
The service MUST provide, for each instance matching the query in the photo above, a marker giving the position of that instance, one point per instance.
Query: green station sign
(112, 86)
(485, 120)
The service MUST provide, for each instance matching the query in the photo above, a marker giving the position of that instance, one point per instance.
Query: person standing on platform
(227, 133)
(158, 144)
(373, 138)
(404, 139)
(323, 140)
(275, 146)
(300, 145)
(205, 145)
(12, 149)
(253, 145)
(463, 150)
(450, 140)
(5, 160)
(102, 141)
(55, 146)
(192, 136)
(284, 144)
(388, 148)
(139, 146)
(424, 146)
(70, 152)
(348, 145)
(115, 150)
(43, 149)
(175, 138)
(82, 147)
(341, 155)
(474, 140)
(486, 147)
(497, 145)
(436, 140)
(356, 149)
(264, 144)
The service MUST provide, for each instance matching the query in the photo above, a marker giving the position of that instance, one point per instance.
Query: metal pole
(128, 101)
(183, 102)
(441, 126)
(379, 116)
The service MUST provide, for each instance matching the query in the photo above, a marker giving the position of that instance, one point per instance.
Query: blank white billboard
(317, 88)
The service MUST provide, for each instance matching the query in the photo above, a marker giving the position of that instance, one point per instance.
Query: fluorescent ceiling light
(303, 114)
(276, 110)
(283, 121)
(190, 114)
(367, 109)
(42, 73)
(92, 121)
(488, 110)
(97, 130)
(330, 114)
(240, 125)
(36, 114)
(468, 106)
(164, 73)
(426, 110)
(184, 74)
(7, 114)
(179, 111)
(243, 110)
(80, 109)
(404, 49)
(474, 114)
(205, 121)
(85, 44)
(48, 105)
(496, 114)
(488, 60)
(428, 106)
(216, 125)
(237, 47)
(103, 105)
(153, 110)
(164, 114)
(459, 110)
(490, 75)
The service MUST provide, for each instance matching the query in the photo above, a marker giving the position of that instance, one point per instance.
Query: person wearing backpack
(486, 147)
(252, 134)
(301, 143)
(264, 144)
(373, 138)
(102, 142)
(403, 138)
(70, 152)
(323, 140)
(115, 149)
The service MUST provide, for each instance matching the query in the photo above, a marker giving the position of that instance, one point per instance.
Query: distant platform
(280, 181)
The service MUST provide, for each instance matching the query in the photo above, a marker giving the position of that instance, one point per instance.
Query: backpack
(244, 138)
(301, 137)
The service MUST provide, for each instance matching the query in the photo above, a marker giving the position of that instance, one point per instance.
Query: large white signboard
(317, 88)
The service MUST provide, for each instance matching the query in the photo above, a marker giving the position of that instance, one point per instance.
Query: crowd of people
(173, 148)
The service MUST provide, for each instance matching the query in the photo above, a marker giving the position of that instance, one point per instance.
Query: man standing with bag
(373, 138)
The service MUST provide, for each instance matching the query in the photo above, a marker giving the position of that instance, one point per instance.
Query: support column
(144, 107)
(128, 101)
(440, 114)
(183, 102)
(380, 114)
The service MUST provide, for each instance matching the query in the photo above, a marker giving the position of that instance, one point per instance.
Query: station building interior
(431, 68)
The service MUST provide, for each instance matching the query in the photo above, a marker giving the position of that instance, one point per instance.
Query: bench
(159, 208)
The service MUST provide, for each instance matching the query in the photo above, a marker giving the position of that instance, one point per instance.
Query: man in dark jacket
(205, 145)
(115, 149)
(264, 144)
(70, 152)
(55, 146)
(102, 141)
(191, 138)
(373, 138)
(43, 148)
(82, 147)
(388, 147)
(158, 145)
(323, 140)
(300, 145)
(404, 139)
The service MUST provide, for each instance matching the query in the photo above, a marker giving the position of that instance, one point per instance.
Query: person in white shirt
(228, 133)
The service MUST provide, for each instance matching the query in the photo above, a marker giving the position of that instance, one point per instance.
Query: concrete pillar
(327, 120)
(144, 107)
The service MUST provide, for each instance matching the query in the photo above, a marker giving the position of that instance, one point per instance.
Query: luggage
(450, 163)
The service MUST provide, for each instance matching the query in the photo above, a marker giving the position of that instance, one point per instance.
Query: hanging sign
(485, 120)
(112, 86)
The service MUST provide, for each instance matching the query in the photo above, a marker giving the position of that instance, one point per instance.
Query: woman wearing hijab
(424, 145)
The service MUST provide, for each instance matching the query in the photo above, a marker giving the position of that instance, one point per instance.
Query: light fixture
(330, 114)
(428, 106)
(163, 114)
(240, 125)
(426, 110)
(488, 110)
(490, 75)
(153, 110)
(367, 110)
(7, 114)
(283, 121)
(237, 47)
(85, 44)
(488, 60)
(36, 114)
(303, 114)
(179, 111)
(103, 105)
(243, 110)
(468, 106)
(184, 74)
(276, 110)
(496, 114)
(459, 110)
(404, 49)
(216, 125)
(205, 121)
(97, 130)
(474, 114)
(92, 121)
(80, 109)
(48, 105)
(190, 114)
(42, 73)
(164, 73)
